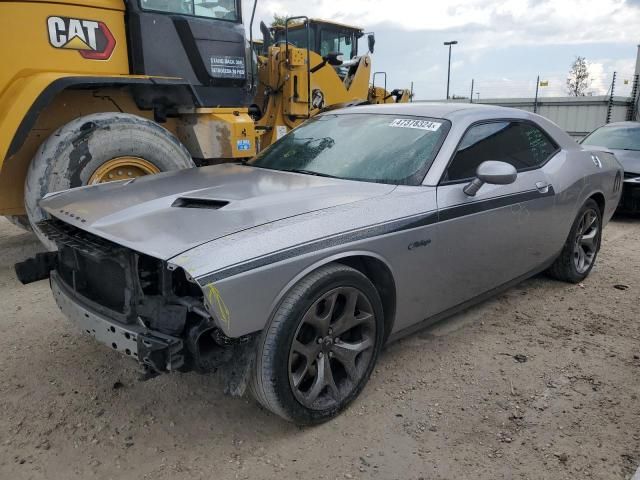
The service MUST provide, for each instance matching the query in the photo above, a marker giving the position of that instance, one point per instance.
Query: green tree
(278, 20)
(578, 80)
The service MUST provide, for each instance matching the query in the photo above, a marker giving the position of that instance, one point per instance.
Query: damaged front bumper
(630, 201)
(156, 351)
(138, 306)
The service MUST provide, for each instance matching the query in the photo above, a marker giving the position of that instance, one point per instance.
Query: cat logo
(90, 38)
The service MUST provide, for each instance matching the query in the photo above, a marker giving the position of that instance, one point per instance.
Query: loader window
(220, 9)
(297, 37)
(366, 147)
(333, 41)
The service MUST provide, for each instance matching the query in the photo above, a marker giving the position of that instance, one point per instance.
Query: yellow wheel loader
(102, 90)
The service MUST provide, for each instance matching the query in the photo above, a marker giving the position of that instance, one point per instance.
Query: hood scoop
(203, 203)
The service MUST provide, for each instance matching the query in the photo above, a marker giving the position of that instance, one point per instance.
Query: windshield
(221, 9)
(333, 41)
(368, 147)
(616, 137)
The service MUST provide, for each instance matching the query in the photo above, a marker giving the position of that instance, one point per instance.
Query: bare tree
(578, 80)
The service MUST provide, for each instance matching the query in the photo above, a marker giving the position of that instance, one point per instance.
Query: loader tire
(20, 221)
(97, 148)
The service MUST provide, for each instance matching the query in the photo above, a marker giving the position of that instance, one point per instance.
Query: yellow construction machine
(103, 90)
(308, 66)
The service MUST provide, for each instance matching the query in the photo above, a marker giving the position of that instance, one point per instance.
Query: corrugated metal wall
(576, 115)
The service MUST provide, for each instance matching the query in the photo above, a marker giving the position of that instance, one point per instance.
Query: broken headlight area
(137, 304)
(630, 200)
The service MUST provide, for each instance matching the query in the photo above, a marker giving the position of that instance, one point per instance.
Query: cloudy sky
(503, 45)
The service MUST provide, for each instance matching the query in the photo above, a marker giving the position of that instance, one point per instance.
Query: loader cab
(325, 37)
(200, 42)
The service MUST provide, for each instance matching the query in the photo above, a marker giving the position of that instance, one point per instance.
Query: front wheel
(580, 250)
(320, 348)
(99, 148)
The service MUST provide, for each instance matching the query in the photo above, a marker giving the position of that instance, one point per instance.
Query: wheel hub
(332, 348)
(122, 168)
(586, 241)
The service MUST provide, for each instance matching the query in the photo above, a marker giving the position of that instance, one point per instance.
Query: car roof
(627, 123)
(461, 115)
(449, 111)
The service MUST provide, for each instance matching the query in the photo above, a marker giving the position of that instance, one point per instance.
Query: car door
(497, 235)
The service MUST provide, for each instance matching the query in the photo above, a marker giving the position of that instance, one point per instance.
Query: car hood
(167, 214)
(629, 159)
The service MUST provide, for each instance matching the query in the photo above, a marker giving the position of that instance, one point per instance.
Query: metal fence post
(632, 110)
(610, 107)
(535, 102)
(471, 96)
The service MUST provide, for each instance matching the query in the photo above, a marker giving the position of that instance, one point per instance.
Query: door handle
(542, 187)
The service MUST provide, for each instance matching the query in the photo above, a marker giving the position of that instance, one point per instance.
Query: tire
(567, 267)
(74, 152)
(272, 382)
(20, 221)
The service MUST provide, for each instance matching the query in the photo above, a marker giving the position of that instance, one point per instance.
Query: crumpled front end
(630, 201)
(138, 305)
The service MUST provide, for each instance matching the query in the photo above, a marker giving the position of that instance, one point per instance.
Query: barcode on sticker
(419, 124)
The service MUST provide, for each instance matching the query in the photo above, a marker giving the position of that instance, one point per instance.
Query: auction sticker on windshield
(419, 124)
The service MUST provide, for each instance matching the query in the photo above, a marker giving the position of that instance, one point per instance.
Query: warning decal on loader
(92, 39)
(225, 66)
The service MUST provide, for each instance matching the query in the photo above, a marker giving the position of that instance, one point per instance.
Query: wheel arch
(376, 270)
(599, 198)
(46, 102)
(169, 92)
(373, 266)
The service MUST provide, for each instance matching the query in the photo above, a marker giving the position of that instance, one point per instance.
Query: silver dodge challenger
(288, 273)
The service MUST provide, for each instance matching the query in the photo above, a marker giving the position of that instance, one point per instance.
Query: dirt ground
(540, 383)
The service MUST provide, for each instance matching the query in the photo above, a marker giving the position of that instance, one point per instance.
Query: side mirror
(333, 58)
(371, 39)
(493, 173)
(267, 38)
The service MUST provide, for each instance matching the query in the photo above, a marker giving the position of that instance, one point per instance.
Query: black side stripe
(463, 210)
(400, 225)
(395, 226)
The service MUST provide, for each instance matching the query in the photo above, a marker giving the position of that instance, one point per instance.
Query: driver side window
(520, 144)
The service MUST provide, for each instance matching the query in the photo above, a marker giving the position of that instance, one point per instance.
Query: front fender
(26, 97)
(244, 304)
(342, 256)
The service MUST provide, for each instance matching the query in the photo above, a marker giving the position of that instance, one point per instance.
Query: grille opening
(100, 281)
(205, 203)
(124, 284)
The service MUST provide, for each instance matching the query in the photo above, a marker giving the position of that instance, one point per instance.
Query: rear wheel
(318, 352)
(582, 246)
(98, 148)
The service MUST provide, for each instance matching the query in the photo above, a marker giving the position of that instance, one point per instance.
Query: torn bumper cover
(139, 306)
(159, 352)
(630, 201)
